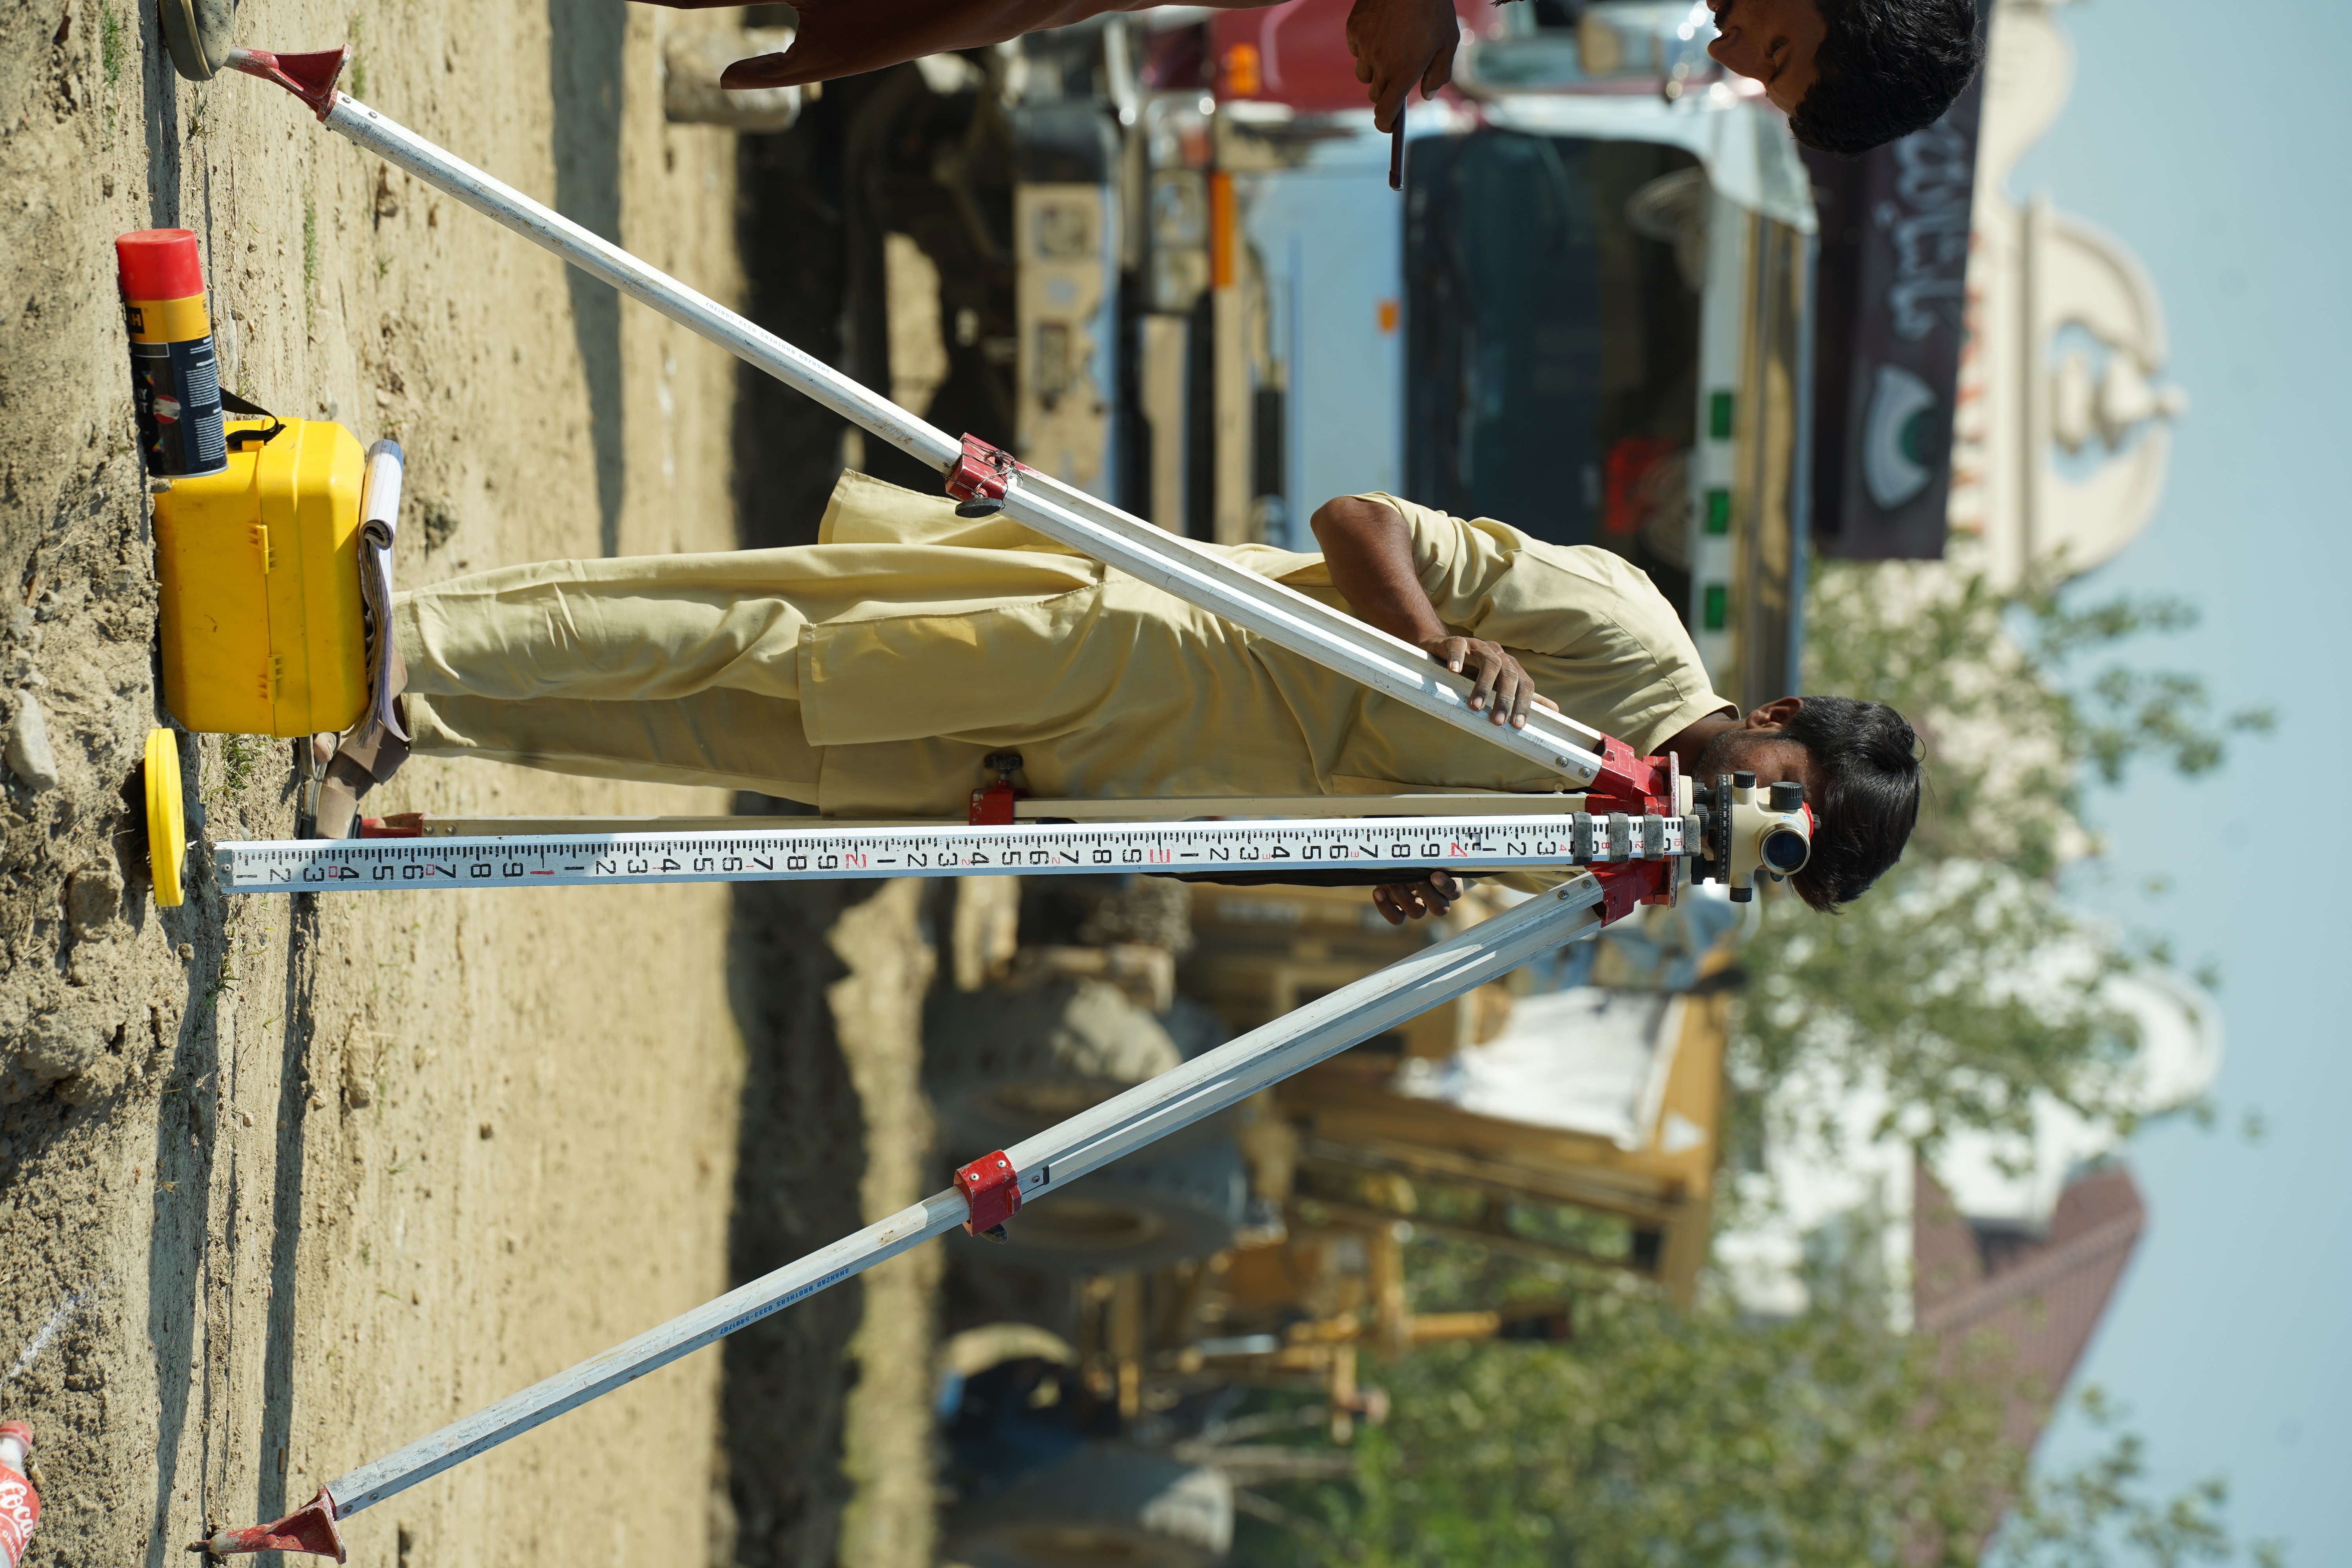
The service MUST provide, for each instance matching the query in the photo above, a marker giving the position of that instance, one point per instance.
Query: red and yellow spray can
(173, 376)
(20, 1505)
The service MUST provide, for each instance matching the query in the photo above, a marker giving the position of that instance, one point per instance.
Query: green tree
(1662, 1439)
(1963, 983)
(2078, 1518)
(1693, 1441)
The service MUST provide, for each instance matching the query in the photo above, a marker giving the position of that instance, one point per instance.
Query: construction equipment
(259, 574)
(1648, 823)
(275, 594)
(1613, 1167)
(1570, 1113)
(265, 596)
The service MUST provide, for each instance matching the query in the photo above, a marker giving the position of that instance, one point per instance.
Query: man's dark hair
(1869, 756)
(1888, 67)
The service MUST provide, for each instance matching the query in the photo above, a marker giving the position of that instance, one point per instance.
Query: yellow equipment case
(259, 567)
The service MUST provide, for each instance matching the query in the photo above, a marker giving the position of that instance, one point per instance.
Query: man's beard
(1729, 753)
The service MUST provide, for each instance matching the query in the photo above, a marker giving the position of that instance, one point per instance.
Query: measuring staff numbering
(554, 860)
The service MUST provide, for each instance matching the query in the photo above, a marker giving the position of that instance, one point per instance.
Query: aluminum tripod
(1738, 837)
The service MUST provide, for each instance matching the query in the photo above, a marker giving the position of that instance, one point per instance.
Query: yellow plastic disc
(167, 821)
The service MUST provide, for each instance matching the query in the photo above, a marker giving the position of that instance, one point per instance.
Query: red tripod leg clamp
(1626, 885)
(992, 1187)
(982, 472)
(992, 806)
(1635, 785)
(1638, 786)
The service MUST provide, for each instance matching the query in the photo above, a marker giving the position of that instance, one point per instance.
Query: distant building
(2060, 439)
(1834, 1175)
(2039, 1296)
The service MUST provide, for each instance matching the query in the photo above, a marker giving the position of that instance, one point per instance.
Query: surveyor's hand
(1401, 901)
(1502, 687)
(1398, 43)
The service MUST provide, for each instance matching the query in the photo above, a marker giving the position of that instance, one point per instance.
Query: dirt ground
(284, 1185)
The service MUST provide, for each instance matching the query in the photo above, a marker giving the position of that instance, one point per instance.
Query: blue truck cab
(1587, 313)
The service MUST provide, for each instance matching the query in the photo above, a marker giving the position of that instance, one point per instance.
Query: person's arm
(1369, 549)
(1396, 44)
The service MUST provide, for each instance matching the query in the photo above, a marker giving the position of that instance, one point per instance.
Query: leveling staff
(869, 673)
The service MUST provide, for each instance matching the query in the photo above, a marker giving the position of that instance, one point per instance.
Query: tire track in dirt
(826, 1406)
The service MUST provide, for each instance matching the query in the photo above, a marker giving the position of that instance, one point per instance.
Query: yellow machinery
(1353, 1162)
(1356, 1145)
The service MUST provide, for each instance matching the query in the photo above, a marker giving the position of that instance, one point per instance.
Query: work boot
(197, 34)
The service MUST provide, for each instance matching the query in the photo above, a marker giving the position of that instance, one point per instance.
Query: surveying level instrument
(1628, 835)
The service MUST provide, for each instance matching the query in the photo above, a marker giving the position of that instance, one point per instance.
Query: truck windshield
(1553, 335)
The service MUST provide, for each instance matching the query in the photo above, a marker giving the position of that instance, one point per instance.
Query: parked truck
(1157, 255)
(1585, 312)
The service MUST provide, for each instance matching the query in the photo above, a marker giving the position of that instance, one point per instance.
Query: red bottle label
(20, 1510)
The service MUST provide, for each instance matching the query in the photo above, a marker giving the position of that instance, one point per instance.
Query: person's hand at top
(1398, 43)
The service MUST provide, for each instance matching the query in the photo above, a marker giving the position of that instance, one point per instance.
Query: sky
(2206, 138)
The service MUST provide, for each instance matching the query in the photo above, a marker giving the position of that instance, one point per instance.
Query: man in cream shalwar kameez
(868, 675)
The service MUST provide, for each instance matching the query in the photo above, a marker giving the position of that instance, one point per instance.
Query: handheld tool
(1640, 854)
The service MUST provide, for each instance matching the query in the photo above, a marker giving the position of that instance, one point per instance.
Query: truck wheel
(1006, 1065)
(1155, 1207)
(1108, 1506)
